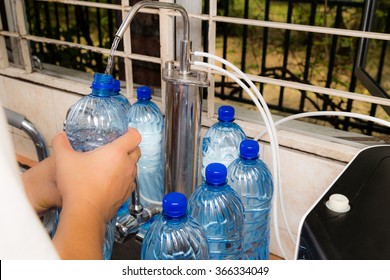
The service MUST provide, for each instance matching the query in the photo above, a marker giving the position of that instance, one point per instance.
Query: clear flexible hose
(151, 201)
(325, 113)
(273, 142)
(271, 129)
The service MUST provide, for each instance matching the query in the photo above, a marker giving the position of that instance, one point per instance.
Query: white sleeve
(22, 235)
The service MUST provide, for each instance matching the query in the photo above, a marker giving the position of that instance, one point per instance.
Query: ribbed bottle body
(174, 239)
(174, 235)
(123, 101)
(116, 94)
(219, 210)
(252, 180)
(221, 144)
(95, 120)
(146, 117)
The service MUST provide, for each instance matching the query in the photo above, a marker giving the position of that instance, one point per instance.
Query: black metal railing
(94, 27)
(339, 58)
(305, 57)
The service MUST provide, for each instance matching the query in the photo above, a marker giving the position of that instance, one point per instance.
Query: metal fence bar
(317, 89)
(310, 39)
(128, 63)
(212, 18)
(167, 50)
(4, 60)
(332, 56)
(304, 28)
(21, 24)
(211, 47)
(286, 50)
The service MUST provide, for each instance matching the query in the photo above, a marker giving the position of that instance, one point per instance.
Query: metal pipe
(21, 122)
(185, 44)
(136, 207)
(183, 108)
(183, 101)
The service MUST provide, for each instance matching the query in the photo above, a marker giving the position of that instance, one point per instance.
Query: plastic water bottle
(252, 180)
(116, 93)
(95, 120)
(174, 235)
(217, 207)
(222, 140)
(116, 88)
(146, 117)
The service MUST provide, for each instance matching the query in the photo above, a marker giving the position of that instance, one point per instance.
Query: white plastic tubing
(266, 115)
(271, 130)
(326, 113)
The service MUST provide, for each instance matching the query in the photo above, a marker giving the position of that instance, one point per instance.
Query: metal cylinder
(183, 110)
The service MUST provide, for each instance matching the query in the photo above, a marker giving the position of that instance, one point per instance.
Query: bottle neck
(101, 92)
(176, 219)
(225, 121)
(144, 100)
(216, 187)
(249, 160)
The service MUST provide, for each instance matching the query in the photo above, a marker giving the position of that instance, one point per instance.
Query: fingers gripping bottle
(217, 207)
(116, 88)
(95, 120)
(174, 235)
(252, 180)
(222, 140)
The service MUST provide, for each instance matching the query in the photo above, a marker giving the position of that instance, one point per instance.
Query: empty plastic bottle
(174, 235)
(222, 140)
(217, 207)
(252, 180)
(146, 117)
(95, 120)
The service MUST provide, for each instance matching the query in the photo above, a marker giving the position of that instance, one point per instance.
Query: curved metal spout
(185, 46)
(159, 5)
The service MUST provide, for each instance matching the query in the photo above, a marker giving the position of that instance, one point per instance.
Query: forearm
(80, 233)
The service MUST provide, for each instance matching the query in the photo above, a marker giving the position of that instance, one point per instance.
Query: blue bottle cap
(116, 85)
(144, 92)
(174, 205)
(102, 82)
(226, 113)
(216, 174)
(249, 149)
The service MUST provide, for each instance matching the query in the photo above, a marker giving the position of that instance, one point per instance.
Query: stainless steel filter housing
(183, 110)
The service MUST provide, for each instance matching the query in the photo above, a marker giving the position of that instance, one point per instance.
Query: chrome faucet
(185, 44)
(183, 103)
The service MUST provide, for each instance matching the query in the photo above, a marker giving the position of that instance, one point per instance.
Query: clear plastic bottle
(146, 117)
(95, 120)
(174, 235)
(116, 89)
(217, 207)
(116, 93)
(252, 180)
(222, 140)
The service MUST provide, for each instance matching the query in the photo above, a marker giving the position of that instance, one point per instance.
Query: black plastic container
(363, 232)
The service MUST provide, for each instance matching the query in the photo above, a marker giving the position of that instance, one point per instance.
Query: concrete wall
(310, 159)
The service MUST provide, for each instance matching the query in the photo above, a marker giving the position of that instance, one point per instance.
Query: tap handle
(136, 208)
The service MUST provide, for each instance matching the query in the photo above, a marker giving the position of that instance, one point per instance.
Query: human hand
(40, 185)
(100, 180)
